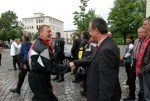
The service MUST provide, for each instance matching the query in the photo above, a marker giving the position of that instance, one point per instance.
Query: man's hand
(121, 58)
(25, 66)
(72, 66)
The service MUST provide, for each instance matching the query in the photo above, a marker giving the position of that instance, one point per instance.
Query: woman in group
(127, 57)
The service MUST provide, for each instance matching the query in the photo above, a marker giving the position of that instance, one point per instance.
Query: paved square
(65, 91)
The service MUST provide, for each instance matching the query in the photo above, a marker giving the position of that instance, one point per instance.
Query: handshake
(72, 66)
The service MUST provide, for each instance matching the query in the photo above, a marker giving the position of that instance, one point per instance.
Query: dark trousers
(15, 61)
(144, 81)
(128, 68)
(21, 78)
(85, 86)
(132, 79)
(60, 76)
(141, 92)
(41, 87)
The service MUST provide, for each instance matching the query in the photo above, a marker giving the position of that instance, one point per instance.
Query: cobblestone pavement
(65, 91)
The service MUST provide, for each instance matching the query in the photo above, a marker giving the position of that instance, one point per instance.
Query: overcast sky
(60, 9)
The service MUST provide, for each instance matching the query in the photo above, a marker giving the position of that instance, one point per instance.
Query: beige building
(148, 8)
(31, 24)
(68, 35)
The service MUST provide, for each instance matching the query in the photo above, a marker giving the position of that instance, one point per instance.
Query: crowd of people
(96, 60)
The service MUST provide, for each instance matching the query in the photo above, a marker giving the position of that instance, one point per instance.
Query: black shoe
(15, 69)
(15, 90)
(83, 93)
(60, 80)
(75, 81)
(129, 98)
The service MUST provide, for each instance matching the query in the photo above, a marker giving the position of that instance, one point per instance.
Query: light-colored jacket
(15, 48)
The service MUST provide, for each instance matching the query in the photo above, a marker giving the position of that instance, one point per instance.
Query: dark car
(5, 44)
(68, 56)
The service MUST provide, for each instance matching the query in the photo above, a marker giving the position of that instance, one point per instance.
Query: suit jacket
(102, 78)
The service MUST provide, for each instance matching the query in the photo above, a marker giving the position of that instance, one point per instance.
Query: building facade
(68, 35)
(148, 8)
(32, 24)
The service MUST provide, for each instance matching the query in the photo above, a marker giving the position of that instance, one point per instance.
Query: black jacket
(102, 78)
(59, 48)
(41, 60)
(75, 48)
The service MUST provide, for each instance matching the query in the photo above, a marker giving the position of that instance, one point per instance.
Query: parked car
(5, 44)
(68, 56)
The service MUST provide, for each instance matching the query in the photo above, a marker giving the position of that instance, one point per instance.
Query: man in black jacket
(75, 51)
(75, 47)
(42, 64)
(102, 77)
(59, 54)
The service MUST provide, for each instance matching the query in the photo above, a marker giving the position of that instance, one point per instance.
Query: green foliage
(35, 36)
(10, 27)
(6, 35)
(126, 16)
(82, 19)
(8, 20)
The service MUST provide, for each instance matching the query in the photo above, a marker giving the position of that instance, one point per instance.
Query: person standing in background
(24, 64)
(75, 47)
(135, 53)
(127, 58)
(74, 52)
(143, 64)
(59, 54)
(14, 51)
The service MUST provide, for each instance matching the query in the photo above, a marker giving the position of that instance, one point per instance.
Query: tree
(82, 19)
(10, 27)
(126, 16)
(8, 21)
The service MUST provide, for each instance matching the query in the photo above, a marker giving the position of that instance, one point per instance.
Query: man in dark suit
(102, 78)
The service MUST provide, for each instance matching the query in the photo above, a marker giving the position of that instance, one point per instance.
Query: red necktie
(95, 49)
